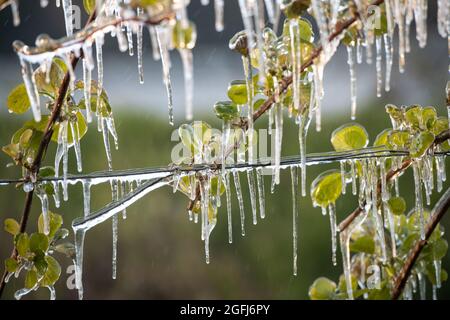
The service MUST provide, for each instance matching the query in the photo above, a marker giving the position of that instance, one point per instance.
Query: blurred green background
(160, 253)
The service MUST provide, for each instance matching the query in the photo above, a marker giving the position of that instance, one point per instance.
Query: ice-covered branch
(438, 212)
(46, 138)
(440, 138)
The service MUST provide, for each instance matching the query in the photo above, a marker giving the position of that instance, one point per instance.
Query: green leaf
(56, 76)
(40, 263)
(343, 284)
(398, 139)
(237, 92)
(350, 136)
(421, 143)
(363, 244)
(11, 265)
(31, 279)
(22, 244)
(38, 242)
(46, 172)
(184, 38)
(12, 226)
(322, 289)
(18, 101)
(326, 188)
(56, 222)
(89, 6)
(397, 205)
(440, 248)
(53, 272)
(226, 110)
(382, 138)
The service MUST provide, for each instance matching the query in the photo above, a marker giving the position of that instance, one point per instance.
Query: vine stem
(43, 145)
(440, 138)
(437, 214)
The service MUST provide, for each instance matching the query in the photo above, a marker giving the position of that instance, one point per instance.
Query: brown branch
(35, 167)
(440, 138)
(437, 214)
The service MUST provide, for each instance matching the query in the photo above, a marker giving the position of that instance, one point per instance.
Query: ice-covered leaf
(18, 101)
(56, 222)
(399, 140)
(296, 8)
(350, 136)
(40, 263)
(46, 172)
(364, 244)
(53, 272)
(382, 138)
(440, 247)
(89, 6)
(38, 242)
(184, 37)
(322, 289)
(237, 92)
(226, 110)
(397, 205)
(22, 244)
(11, 264)
(31, 279)
(326, 188)
(49, 83)
(12, 226)
(421, 143)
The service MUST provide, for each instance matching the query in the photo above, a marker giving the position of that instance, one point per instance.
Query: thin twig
(42, 149)
(440, 138)
(437, 214)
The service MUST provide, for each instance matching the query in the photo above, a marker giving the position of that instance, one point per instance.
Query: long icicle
(294, 185)
(237, 184)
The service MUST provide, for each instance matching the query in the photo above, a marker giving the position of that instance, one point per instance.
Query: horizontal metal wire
(155, 172)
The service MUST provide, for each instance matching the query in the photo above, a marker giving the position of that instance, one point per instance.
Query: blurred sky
(160, 251)
(215, 66)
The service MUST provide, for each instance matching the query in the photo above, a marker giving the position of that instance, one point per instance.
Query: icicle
(261, 194)
(123, 190)
(303, 124)
(278, 140)
(294, 184)
(378, 44)
(270, 10)
(252, 189)
(30, 85)
(45, 212)
(359, 56)
(249, 85)
(247, 15)
(87, 197)
(321, 21)
(22, 292)
(154, 40)
(164, 54)
(218, 11)
(437, 269)
(258, 12)
(99, 52)
(87, 89)
(419, 201)
(104, 129)
(294, 34)
(388, 54)
(79, 245)
(188, 72)
(52, 292)
(237, 184)
(384, 186)
(139, 54)
(422, 286)
(344, 183)
(68, 16)
(56, 193)
(401, 34)
(390, 218)
(61, 154)
(115, 229)
(44, 3)
(130, 39)
(332, 213)
(68, 62)
(15, 12)
(353, 173)
(372, 172)
(351, 65)
(434, 292)
(228, 199)
(76, 144)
